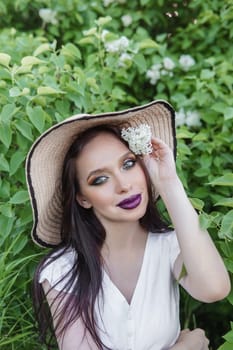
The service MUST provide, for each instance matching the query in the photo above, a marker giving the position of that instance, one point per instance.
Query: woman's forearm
(207, 278)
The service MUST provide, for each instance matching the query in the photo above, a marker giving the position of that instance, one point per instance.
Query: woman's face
(111, 180)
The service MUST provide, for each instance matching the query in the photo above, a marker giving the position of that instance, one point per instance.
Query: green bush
(97, 56)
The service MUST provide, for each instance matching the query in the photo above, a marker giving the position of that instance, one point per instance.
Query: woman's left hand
(160, 163)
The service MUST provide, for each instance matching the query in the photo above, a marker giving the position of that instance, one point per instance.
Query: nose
(123, 184)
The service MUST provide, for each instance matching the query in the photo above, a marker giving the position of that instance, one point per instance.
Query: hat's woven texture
(46, 157)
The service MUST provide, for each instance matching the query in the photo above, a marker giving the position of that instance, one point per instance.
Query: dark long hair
(84, 234)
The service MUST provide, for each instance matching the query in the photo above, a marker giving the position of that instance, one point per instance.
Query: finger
(199, 331)
(158, 141)
(207, 341)
(186, 330)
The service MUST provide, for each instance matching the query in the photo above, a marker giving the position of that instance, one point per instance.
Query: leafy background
(96, 56)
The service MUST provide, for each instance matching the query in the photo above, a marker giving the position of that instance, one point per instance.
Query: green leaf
(101, 21)
(4, 59)
(6, 210)
(42, 48)
(144, 2)
(30, 61)
(230, 297)
(229, 337)
(225, 346)
(92, 83)
(207, 74)
(228, 113)
(14, 92)
(140, 62)
(7, 112)
(184, 134)
(71, 51)
(197, 203)
(17, 159)
(218, 107)
(89, 32)
(6, 224)
(183, 149)
(37, 117)
(202, 172)
(17, 248)
(226, 202)
(47, 90)
(204, 221)
(19, 197)
(4, 166)
(25, 129)
(225, 180)
(87, 40)
(148, 43)
(5, 134)
(4, 188)
(229, 264)
(183, 272)
(226, 230)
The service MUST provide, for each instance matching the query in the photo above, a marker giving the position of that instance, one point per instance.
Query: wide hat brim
(46, 156)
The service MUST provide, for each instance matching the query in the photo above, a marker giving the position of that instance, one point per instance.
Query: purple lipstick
(131, 202)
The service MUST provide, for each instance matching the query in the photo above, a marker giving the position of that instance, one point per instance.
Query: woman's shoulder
(57, 268)
(165, 244)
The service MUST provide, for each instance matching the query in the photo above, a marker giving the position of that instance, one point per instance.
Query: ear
(83, 202)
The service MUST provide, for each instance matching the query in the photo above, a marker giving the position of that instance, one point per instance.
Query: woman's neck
(123, 237)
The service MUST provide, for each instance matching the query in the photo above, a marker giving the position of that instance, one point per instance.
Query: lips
(131, 202)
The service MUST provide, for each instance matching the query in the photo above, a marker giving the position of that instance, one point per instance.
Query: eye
(129, 163)
(99, 180)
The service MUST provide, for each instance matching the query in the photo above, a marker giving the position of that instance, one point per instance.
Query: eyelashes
(127, 165)
(99, 180)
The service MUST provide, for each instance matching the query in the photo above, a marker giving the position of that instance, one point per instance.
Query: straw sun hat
(46, 157)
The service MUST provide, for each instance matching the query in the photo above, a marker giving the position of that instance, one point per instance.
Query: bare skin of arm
(207, 279)
(191, 340)
(74, 337)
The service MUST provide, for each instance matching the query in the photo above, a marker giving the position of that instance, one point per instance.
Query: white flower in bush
(119, 45)
(192, 118)
(48, 15)
(180, 117)
(124, 57)
(186, 61)
(126, 20)
(138, 138)
(153, 74)
(168, 63)
(104, 34)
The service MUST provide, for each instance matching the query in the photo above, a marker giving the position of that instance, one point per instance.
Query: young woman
(111, 280)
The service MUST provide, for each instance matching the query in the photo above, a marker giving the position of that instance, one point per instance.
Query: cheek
(100, 196)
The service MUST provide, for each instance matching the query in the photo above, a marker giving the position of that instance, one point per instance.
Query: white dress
(151, 320)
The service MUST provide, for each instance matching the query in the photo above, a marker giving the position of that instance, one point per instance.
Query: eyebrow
(100, 170)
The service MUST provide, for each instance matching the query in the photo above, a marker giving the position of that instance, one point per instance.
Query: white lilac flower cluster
(186, 62)
(158, 69)
(166, 67)
(48, 16)
(138, 138)
(126, 20)
(119, 46)
(189, 118)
